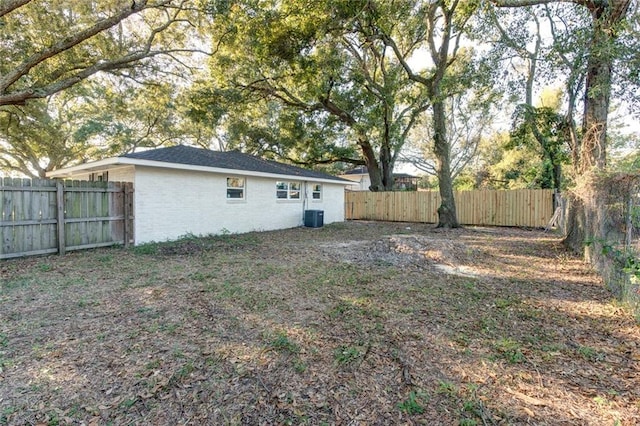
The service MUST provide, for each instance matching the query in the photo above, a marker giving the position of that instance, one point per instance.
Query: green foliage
(465, 182)
(547, 132)
(625, 151)
(447, 388)
(5, 413)
(38, 138)
(590, 353)
(45, 267)
(627, 260)
(146, 249)
(515, 168)
(282, 342)
(472, 407)
(52, 114)
(509, 350)
(310, 82)
(414, 402)
(347, 354)
(51, 46)
(90, 122)
(468, 114)
(119, 118)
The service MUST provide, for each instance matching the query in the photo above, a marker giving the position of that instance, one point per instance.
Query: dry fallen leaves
(356, 323)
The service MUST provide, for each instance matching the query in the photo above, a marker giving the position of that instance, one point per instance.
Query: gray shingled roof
(226, 160)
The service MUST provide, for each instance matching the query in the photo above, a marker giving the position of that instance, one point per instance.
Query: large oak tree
(315, 79)
(452, 71)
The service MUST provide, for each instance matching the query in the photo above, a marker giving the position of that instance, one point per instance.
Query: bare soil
(358, 323)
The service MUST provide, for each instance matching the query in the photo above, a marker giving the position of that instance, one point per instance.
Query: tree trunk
(584, 223)
(380, 173)
(447, 217)
(574, 225)
(597, 96)
(387, 167)
(557, 175)
(373, 168)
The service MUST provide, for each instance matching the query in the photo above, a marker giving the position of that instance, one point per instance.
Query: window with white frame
(316, 191)
(235, 188)
(288, 190)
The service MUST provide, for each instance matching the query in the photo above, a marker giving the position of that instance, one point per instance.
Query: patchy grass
(353, 323)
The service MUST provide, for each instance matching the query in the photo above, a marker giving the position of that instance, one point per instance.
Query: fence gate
(51, 216)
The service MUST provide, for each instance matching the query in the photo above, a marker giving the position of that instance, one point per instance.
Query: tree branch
(412, 76)
(8, 6)
(66, 44)
(338, 159)
(21, 96)
(523, 3)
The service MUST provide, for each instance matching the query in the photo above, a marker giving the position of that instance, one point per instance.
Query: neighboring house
(405, 182)
(183, 190)
(362, 181)
(360, 177)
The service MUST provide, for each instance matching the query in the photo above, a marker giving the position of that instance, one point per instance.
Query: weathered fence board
(522, 207)
(48, 216)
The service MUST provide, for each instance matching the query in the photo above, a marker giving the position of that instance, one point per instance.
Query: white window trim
(289, 190)
(313, 191)
(243, 188)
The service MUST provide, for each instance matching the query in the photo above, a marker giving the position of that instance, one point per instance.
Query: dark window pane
(235, 193)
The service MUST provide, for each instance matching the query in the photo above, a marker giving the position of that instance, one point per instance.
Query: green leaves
(51, 46)
(316, 83)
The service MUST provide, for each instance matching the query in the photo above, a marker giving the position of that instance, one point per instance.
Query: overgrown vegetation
(614, 248)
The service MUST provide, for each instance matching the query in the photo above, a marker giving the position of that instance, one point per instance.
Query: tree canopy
(320, 72)
(49, 46)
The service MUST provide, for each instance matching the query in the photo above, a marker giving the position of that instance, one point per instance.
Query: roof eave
(121, 161)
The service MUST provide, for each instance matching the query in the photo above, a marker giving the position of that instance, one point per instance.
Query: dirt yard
(358, 323)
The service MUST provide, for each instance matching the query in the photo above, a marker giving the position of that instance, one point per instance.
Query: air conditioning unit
(313, 218)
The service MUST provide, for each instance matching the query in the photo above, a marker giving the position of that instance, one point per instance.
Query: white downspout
(305, 200)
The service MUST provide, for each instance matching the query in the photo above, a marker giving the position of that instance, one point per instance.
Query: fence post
(60, 217)
(126, 213)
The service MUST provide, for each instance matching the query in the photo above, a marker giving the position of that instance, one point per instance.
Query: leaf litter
(359, 323)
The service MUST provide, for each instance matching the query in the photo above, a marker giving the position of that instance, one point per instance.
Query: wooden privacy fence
(521, 207)
(48, 216)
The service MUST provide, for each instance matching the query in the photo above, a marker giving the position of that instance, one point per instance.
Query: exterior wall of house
(117, 174)
(122, 174)
(360, 182)
(173, 203)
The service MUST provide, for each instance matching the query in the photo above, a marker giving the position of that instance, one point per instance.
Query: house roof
(201, 159)
(404, 176)
(362, 170)
(234, 160)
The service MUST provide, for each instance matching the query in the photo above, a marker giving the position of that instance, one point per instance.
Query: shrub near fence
(522, 207)
(48, 216)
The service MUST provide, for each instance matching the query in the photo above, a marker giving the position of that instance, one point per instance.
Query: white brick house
(183, 190)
